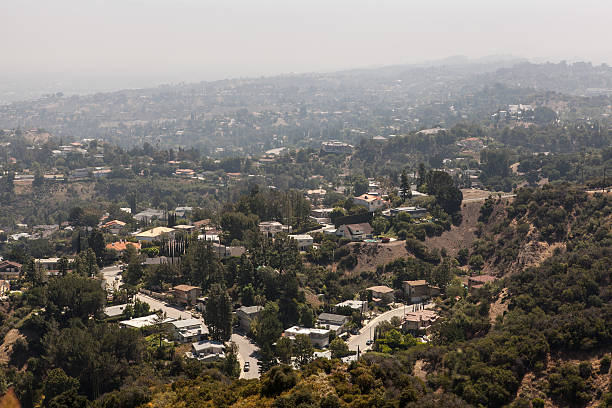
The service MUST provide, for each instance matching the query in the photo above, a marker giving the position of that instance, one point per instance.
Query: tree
(63, 265)
(442, 275)
(230, 365)
(73, 296)
(303, 350)
(421, 174)
(133, 272)
(267, 328)
(360, 185)
(405, 190)
(96, 243)
(338, 348)
(57, 382)
(448, 196)
(284, 350)
(218, 314)
(159, 325)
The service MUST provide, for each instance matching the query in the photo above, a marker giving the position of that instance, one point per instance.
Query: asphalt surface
(247, 351)
(367, 332)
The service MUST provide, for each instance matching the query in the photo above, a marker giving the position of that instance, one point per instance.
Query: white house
(304, 241)
(271, 228)
(318, 337)
(188, 330)
(208, 350)
(371, 202)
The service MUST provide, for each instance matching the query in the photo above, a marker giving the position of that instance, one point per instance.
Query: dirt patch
(7, 346)
(534, 253)
(370, 255)
(418, 370)
(9, 400)
(499, 307)
(461, 236)
(534, 386)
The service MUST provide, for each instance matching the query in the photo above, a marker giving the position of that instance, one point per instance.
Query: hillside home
(9, 270)
(271, 228)
(371, 202)
(208, 350)
(355, 232)
(114, 227)
(318, 337)
(121, 246)
(304, 241)
(246, 314)
(360, 306)
(381, 294)
(154, 234)
(332, 322)
(186, 294)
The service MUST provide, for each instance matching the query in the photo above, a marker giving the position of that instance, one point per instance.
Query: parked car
(247, 366)
(369, 342)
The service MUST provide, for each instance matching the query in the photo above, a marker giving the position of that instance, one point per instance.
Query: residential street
(246, 352)
(367, 331)
(111, 276)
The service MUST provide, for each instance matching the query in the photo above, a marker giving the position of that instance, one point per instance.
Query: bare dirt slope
(461, 236)
(6, 347)
(370, 255)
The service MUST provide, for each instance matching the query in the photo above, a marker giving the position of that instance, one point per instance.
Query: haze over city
(76, 46)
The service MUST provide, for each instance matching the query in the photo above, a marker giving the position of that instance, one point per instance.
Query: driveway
(247, 351)
(171, 311)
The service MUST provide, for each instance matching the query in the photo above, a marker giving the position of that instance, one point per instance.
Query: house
(419, 290)
(9, 270)
(246, 314)
(355, 232)
(149, 215)
(114, 226)
(50, 264)
(186, 294)
(381, 294)
(224, 251)
(360, 306)
(321, 212)
(318, 337)
(419, 321)
(183, 212)
(413, 212)
(187, 228)
(208, 350)
(477, 282)
(144, 321)
(188, 330)
(371, 202)
(271, 228)
(332, 322)
(304, 241)
(201, 223)
(154, 234)
(121, 246)
(335, 146)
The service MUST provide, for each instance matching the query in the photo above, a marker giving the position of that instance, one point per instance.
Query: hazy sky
(121, 43)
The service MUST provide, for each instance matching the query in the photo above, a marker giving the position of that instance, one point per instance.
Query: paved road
(367, 332)
(247, 351)
(112, 277)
